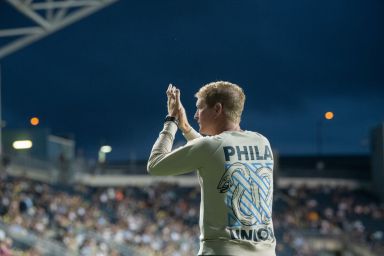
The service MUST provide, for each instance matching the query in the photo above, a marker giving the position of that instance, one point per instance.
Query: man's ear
(218, 108)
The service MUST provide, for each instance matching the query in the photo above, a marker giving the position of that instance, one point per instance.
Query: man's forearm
(163, 144)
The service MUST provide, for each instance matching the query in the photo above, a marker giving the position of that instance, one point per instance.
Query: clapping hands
(176, 109)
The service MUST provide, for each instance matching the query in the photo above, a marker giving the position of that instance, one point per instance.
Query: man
(234, 169)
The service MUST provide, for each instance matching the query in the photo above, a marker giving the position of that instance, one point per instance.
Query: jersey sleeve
(163, 161)
(191, 135)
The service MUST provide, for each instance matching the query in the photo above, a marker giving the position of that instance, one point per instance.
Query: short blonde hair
(230, 95)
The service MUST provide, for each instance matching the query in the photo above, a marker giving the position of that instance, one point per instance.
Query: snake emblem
(250, 193)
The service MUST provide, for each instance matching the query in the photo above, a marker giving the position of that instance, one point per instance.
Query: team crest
(249, 194)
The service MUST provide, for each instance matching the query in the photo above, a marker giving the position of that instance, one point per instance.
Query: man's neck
(228, 126)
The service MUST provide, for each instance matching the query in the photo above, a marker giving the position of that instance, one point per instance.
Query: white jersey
(235, 172)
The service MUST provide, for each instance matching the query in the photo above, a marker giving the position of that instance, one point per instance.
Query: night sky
(103, 79)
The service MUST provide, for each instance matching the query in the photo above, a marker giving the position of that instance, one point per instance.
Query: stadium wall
(191, 181)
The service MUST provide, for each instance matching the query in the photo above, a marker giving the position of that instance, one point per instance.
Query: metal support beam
(46, 17)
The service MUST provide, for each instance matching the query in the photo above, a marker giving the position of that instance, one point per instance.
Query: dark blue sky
(104, 78)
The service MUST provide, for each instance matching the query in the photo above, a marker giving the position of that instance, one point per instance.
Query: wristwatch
(172, 119)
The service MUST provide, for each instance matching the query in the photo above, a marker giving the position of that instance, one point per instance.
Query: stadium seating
(162, 219)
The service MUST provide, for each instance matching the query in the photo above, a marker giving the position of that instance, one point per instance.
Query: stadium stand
(322, 206)
(38, 218)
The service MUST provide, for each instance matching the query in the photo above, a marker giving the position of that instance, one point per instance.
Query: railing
(49, 247)
(31, 162)
(33, 168)
(36, 169)
(333, 243)
(45, 246)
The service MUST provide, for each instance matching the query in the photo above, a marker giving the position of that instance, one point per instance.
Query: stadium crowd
(162, 219)
(342, 213)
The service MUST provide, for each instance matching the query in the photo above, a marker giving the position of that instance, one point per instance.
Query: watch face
(170, 118)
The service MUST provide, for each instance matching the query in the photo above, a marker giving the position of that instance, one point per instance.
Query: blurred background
(82, 100)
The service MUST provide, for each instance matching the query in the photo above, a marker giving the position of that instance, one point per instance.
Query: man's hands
(173, 102)
(176, 109)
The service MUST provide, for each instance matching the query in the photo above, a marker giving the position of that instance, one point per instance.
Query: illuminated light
(22, 144)
(35, 121)
(329, 115)
(106, 149)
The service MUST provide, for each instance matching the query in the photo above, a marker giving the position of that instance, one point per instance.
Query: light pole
(104, 150)
(319, 131)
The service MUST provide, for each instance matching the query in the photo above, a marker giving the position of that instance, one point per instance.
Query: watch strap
(171, 119)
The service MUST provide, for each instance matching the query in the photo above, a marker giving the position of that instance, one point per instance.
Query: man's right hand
(172, 104)
(184, 125)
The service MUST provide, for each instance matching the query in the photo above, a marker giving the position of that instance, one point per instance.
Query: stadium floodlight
(22, 144)
(329, 115)
(34, 121)
(106, 149)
